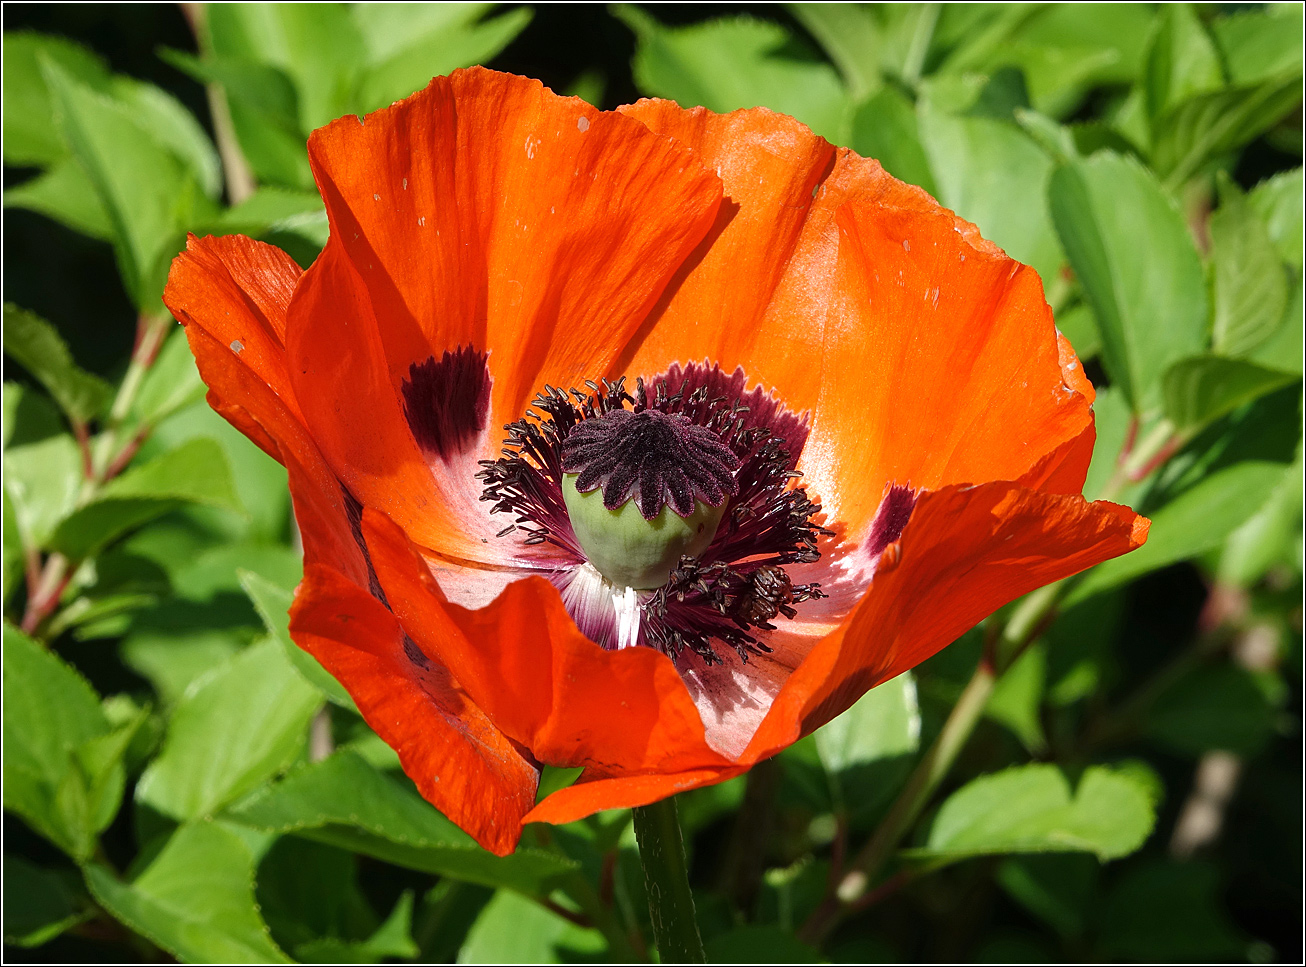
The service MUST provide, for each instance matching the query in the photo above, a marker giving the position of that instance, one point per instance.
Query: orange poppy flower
(867, 400)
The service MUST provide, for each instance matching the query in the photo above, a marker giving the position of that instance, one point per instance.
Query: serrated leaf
(50, 712)
(1197, 520)
(233, 729)
(273, 604)
(1131, 250)
(146, 190)
(1030, 808)
(979, 165)
(513, 930)
(408, 46)
(196, 472)
(737, 62)
(37, 345)
(882, 724)
(344, 802)
(1250, 284)
(39, 904)
(29, 137)
(1201, 389)
(65, 194)
(195, 900)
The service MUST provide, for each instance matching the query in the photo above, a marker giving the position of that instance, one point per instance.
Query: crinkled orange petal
(873, 321)
(237, 290)
(965, 553)
(540, 680)
(590, 794)
(487, 210)
(458, 759)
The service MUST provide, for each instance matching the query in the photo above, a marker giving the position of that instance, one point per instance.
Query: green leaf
(1192, 523)
(1201, 389)
(171, 660)
(29, 416)
(1268, 537)
(394, 938)
(145, 189)
(273, 604)
(1251, 286)
(737, 62)
(233, 729)
(1030, 809)
(1129, 246)
(15, 559)
(1209, 125)
(39, 904)
(1257, 45)
(882, 724)
(982, 166)
(175, 128)
(408, 45)
(1017, 698)
(37, 345)
(196, 472)
(29, 137)
(513, 930)
(851, 35)
(43, 480)
(1278, 201)
(885, 127)
(1182, 61)
(1056, 888)
(345, 802)
(195, 900)
(50, 713)
(65, 194)
(173, 382)
(1214, 707)
(272, 209)
(1167, 911)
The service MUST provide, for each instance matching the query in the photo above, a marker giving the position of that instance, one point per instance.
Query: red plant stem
(84, 445)
(53, 581)
(1131, 437)
(124, 457)
(1162, 455)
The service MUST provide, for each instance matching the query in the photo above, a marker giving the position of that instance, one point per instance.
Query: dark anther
(662, 458)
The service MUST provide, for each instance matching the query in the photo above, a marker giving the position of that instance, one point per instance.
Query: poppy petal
(238, 291)
(458, 759)
(485, 210)
(541, 681)
(965, 553)
(591, 793)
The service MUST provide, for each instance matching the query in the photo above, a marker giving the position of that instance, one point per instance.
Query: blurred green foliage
(210, 793)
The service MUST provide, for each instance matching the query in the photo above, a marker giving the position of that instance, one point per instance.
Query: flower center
(671, 513)
(643, 490)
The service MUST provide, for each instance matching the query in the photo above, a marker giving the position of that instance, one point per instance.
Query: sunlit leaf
(735, 63)
(345, 802)
(195, 900)
(1250, 284)
(64, 193)
(1031, 809)
(1201, 389)
(29, 137)
(232, 730)
(36, 344)
(1128, 244)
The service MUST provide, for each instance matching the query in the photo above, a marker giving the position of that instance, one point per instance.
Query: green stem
(666, 878)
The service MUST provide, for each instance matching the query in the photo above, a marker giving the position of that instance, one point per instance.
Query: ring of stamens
(734, 588)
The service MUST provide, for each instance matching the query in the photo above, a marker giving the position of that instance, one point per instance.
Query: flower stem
(666, 879)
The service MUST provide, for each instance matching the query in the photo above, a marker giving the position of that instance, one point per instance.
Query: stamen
(690, 439)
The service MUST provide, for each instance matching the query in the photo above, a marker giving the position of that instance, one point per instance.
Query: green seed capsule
(627, 549)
